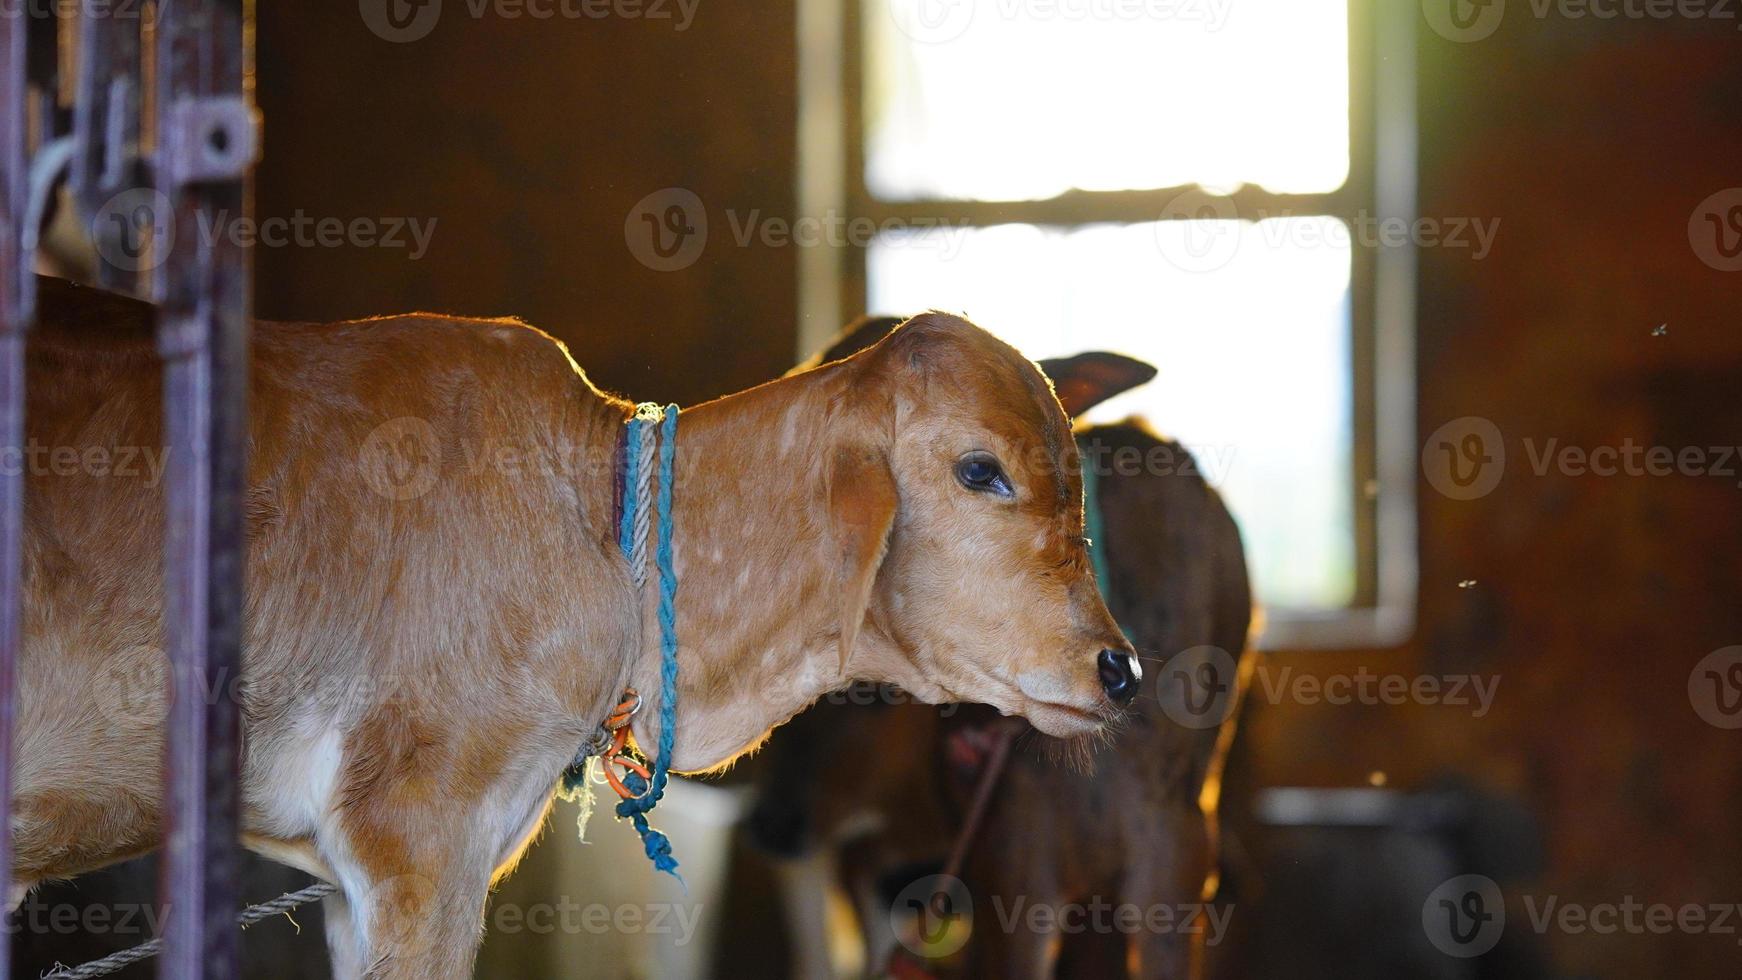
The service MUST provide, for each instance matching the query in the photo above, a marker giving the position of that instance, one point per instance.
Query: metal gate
(143, 112)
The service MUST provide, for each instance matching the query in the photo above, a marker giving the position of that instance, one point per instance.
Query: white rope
(650, 415)
(144, 951)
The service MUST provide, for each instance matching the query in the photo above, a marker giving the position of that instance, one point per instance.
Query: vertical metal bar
(16, 311)
(14, 156)
(106, 124)
(11, 575)
(203, 148)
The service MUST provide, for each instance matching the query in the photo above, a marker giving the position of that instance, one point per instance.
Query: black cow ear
(853, 338)
(860, 334)
(1088, 379)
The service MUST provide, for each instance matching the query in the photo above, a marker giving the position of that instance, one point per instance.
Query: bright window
(1026, 99)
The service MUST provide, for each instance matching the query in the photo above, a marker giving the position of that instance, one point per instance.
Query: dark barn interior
(1596, 605)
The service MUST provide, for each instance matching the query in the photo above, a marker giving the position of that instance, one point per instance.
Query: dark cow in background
(877, 787)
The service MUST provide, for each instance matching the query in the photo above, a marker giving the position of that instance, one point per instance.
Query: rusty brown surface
(1594, 597)
(528, 142)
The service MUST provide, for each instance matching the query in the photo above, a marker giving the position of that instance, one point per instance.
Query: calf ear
(1086, 380)
(862, 504)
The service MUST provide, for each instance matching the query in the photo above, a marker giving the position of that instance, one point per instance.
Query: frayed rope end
(655, 844)
(577, 788)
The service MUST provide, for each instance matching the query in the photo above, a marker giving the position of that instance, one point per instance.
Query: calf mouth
(1067, 721)
(1046, 702)
(1078, 726)
(1077, 734)
(1061, 709)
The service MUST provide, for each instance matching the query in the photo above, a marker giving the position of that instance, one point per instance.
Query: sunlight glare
(1025, 99)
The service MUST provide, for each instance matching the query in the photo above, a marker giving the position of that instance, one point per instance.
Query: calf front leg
(415, 863)
(1167, 870)
(414, 898)
(422, 817)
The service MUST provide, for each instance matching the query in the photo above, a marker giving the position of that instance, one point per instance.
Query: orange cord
(619, 723)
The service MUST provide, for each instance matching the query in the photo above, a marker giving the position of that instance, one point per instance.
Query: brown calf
(438, 614)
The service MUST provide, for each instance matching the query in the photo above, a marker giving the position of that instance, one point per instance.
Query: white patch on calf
(298, 784)
(322, 764)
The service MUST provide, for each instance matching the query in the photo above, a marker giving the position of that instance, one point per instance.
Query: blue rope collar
(644, 792)
(647, 796)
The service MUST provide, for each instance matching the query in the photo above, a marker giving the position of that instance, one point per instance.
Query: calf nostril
(1118, 678)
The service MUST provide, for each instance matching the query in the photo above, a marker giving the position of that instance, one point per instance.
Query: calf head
(956, 504)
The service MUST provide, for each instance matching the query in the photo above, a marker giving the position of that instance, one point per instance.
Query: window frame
(1381, 186)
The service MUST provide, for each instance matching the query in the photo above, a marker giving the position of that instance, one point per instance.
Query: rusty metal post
(205, 143)
(27, 75)
(14, 320)
(106, 163)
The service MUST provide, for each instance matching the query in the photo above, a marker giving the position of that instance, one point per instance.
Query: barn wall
(1593, 143)
(528, 141)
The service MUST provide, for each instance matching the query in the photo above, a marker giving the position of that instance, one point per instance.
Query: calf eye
(981, 472)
